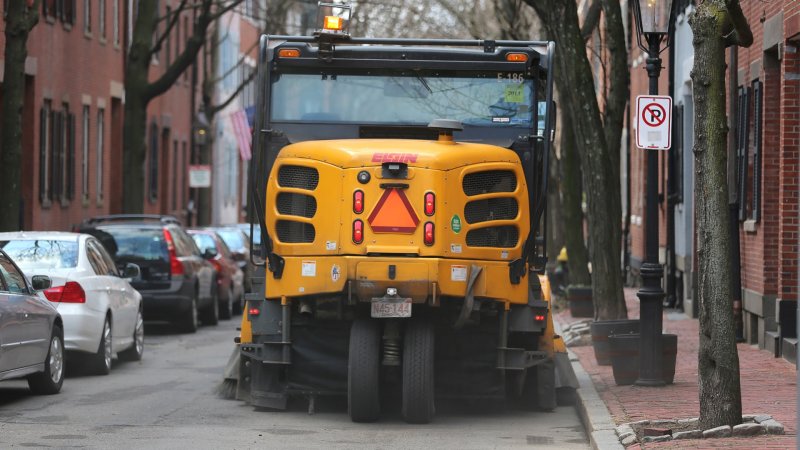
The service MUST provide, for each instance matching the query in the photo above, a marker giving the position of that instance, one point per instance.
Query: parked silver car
(31, 331)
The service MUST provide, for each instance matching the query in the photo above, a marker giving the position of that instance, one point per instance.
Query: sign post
(654, 122)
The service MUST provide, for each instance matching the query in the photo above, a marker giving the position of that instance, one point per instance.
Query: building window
(45, 125)
(153, 166)
(85, 154)
(185, 39)
(69, 167)
(184, 174)
(753, 199)
(100, 149)
(101, 16)
(87, 16)
(57, 156)
(174, 175)
(115, 20)
(68, 12)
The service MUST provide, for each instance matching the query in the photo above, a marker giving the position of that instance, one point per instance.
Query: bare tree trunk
(718, 360)
(560, 19)
(578, 261)
(20, 20)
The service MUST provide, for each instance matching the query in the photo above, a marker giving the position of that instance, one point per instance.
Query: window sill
(102, 41)
(85, 202)
(46, 204)
(64, 203)
(67, 26)
(87, 34)
(100, 203)
(50, 19)
(750, 226)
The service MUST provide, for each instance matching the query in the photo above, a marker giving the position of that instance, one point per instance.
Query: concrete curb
(593, 411)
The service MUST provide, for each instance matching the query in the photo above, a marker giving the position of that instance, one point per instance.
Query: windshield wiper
(424, 83)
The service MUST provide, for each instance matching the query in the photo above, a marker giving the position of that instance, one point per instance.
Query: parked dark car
(230, 278)
(177, 284)
(31, 331)
(236, 240)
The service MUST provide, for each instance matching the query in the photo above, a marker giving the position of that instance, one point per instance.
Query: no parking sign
(654, 122)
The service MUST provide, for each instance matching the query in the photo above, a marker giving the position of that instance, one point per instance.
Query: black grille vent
(298, 177)
(490, 181)
(292, 204)
(291, 232)
(504, 237)
(491, 209)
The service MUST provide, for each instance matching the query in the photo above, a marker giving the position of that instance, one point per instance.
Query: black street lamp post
(652, 19)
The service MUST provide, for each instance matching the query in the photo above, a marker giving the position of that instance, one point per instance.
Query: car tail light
(358, 202)
(358, 232)
(217, 265)
(430, 203)
(71, 292)
(428, 233)
(175, 265)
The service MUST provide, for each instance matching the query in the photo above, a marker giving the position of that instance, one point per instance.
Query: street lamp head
(652, 19)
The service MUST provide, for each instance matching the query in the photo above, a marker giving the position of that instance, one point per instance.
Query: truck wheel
(363, 371)
(418, 390)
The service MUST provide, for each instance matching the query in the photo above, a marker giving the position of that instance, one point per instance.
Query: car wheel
(191, 319)
(100, 362)
(135, 352)
(226, 309)
(50, 381)
(211, 312)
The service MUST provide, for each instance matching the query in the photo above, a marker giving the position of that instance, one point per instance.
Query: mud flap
(546, 386)
(266, 388)
(565, 376)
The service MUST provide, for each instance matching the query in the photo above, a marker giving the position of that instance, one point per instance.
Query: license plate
(383, 308)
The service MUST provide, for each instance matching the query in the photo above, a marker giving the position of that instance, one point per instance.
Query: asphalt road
(168, 401)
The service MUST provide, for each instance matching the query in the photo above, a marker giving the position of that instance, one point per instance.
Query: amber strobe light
(428, 233)
(358, 232)
(358, 202)
(430, 203)
(333, 23)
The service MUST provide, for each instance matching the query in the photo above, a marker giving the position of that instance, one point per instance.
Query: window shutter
(70, 156)
(758, 114)
(42, 154)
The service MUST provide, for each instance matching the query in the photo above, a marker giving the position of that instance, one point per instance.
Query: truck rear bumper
(370, 276)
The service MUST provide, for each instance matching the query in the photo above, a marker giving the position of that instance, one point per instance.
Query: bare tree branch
(170, 25)
(217, 108)
(591, 20)
(741, 34)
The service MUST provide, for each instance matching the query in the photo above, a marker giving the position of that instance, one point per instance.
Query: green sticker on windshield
(455, 224)
(515, 93)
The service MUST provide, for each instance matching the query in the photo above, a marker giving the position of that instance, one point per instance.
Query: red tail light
(428, 233)
(175, 265)
(253, 311)
(539, 318)
(358, 232)
(71, 292)
(430, 203)
(358, 202)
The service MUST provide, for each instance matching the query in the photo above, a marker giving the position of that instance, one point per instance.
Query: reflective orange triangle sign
(393, 213)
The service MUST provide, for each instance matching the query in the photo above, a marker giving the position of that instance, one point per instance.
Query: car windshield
(496, 100)
(133, 243)
(233, 239)
(204, 242)
(42, 253)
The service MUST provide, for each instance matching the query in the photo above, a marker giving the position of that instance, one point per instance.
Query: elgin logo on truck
(394, 157)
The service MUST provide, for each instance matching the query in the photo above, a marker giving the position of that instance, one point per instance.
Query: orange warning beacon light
(333, 19)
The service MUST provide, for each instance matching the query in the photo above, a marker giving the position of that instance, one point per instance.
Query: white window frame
(100, 151)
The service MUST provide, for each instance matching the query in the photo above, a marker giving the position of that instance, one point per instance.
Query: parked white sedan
(102, 313)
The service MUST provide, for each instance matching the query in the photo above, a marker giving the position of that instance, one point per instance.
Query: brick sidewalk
(769, 386)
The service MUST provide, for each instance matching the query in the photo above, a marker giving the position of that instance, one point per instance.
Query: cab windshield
(490, 100)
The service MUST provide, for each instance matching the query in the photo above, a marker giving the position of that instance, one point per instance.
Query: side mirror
(41, 282)
(131, 271)
(209, 253)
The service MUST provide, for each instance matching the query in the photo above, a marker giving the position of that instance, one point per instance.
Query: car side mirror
(209, 253)
(41, 282)
(131, 271)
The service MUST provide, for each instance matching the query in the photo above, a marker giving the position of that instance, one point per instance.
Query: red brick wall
(70, 65)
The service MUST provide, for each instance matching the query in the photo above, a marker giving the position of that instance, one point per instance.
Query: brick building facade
(766, 126)
(73, 116)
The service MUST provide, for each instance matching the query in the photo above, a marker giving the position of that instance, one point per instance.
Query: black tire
(49, 382)
(226, 308)
(211, 312)
(135, 352)
(363, 371)
(100, 361)
(190, 321)
(418, 381)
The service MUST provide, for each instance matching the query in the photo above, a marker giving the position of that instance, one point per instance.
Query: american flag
(241, 128)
